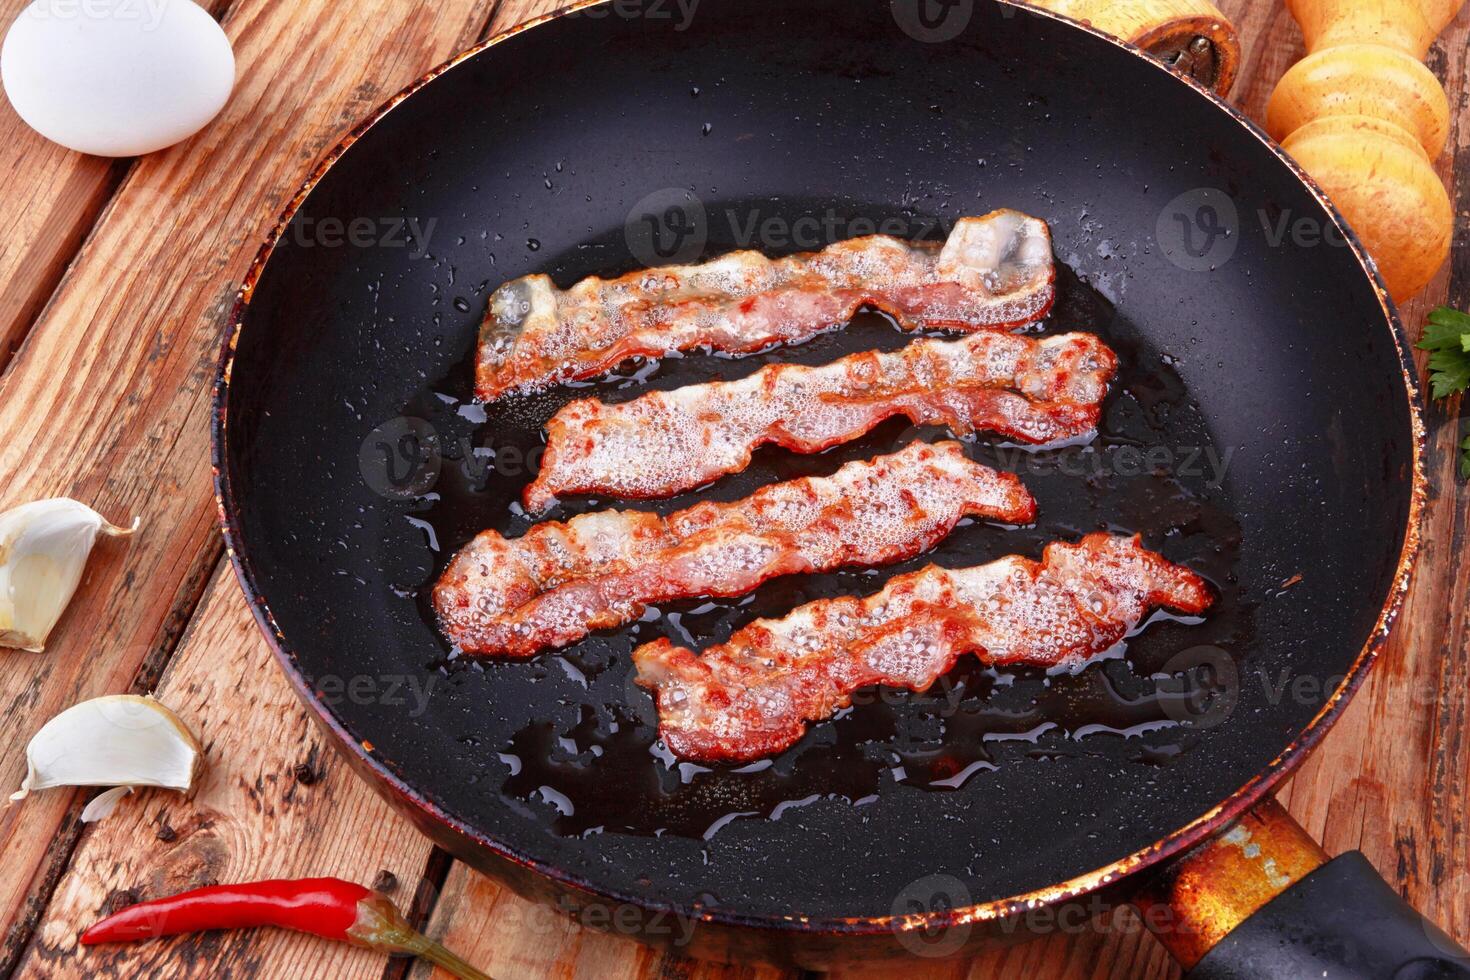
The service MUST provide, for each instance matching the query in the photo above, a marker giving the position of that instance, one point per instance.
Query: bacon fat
(992, 272)
(560, 581)
(755, 695)
(1027, 389)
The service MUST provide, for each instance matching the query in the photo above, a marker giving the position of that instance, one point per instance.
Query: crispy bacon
(753, 696)
(560, 581)
(992, 272)
(1027, 389)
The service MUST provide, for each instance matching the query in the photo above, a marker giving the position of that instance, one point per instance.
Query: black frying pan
(351, 461)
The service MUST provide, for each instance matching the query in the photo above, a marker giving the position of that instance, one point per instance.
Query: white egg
(116, 77)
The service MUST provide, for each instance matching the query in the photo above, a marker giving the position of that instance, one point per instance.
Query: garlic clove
(43, 550)
(117, 740)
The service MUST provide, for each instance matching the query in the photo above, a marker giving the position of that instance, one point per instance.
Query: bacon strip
(659, 444)
(560, 581)
(753, 696)
(992, 272)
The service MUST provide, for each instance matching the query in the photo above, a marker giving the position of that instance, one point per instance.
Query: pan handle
(1263, 901)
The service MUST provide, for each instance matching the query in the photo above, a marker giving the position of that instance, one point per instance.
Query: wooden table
(115, 281)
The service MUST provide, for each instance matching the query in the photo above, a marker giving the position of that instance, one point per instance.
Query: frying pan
(1265, 370)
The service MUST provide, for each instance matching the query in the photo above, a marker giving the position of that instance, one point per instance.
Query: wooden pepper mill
(1366, 119)
(1191, 35)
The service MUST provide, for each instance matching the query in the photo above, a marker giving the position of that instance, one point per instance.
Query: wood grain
(108, 400)
(1400, 799)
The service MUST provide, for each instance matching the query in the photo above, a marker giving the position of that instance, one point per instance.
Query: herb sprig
(1447, 338)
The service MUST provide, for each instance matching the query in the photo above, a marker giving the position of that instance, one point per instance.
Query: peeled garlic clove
(117, 740)
(43, 549)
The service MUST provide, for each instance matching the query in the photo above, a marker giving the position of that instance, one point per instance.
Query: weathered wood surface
(134, 265)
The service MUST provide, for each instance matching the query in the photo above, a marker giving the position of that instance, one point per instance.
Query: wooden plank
(276, 801)
(108, 401)
(52, 198)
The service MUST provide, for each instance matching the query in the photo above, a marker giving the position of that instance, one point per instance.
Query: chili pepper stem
(441, 956)
(382, 927)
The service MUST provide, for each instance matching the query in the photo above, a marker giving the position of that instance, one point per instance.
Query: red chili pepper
(327, 907)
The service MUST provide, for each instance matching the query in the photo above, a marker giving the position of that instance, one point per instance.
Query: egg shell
(116, 77)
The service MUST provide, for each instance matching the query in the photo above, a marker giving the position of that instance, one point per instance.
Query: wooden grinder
(1366, 119)
(1191, 35)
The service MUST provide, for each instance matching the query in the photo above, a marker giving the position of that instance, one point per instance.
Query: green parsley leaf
(1446, 329)
(1447, 337)
(1449, 373)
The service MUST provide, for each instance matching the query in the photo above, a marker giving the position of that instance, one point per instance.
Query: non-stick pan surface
(596, 141)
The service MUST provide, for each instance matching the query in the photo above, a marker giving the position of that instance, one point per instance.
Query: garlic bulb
(120, 740)
(43, 549)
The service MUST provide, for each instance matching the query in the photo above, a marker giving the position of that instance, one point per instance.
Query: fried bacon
(992, 272)
(560, 581)
(753, 696)
(1031, 390)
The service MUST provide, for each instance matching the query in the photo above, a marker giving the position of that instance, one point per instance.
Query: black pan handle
(1341, 921)
(1263, 902)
